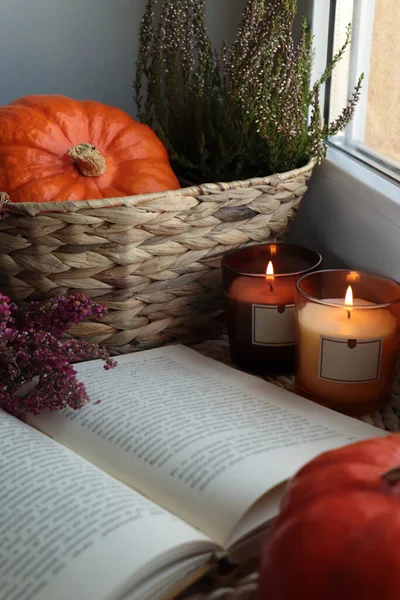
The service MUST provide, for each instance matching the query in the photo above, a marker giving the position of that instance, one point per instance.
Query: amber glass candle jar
(347, 339)
(259, 287)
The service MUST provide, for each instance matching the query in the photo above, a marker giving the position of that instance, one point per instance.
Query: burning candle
(347, 347)
(259, 285)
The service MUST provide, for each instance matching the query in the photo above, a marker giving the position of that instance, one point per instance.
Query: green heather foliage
(244, 111)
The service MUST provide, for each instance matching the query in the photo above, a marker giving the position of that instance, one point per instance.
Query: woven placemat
(243, 584)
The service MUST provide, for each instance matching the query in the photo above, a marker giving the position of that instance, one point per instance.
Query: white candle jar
(348, 338)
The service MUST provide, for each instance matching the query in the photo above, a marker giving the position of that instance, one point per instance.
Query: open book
(175, 460)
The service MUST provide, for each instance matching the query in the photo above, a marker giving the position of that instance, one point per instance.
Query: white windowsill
(364, 174)
(351, 216)
(387, 203)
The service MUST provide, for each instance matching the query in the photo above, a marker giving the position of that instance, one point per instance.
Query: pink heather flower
(31, 351)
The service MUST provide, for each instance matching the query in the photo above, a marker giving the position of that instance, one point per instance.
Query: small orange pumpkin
(57, 148)
(336, 537)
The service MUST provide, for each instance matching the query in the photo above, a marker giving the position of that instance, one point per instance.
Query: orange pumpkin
(336, 537)
(57, 148)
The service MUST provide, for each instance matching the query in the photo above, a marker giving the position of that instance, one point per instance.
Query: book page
(198, 437)
(68, 530)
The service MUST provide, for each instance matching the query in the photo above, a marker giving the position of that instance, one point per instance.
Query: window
(374, 134)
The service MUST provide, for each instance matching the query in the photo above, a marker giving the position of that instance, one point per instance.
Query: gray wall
(81, 48)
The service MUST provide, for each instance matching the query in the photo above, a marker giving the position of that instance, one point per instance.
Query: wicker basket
(153, 260)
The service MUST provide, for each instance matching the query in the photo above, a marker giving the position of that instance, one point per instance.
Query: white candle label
(350, 361)
(273, 325)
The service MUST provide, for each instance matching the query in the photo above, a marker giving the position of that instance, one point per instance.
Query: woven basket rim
(72, 206)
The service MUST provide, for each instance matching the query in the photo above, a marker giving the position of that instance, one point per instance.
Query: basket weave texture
(153, 260)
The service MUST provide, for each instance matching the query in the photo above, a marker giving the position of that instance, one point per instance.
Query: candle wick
(349, 314)
(270, 286)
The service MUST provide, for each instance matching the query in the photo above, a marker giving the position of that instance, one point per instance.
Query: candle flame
(349, 297)
(270, 269)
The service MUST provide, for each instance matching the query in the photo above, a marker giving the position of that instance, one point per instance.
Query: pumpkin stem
(390, 481)
(88, 159)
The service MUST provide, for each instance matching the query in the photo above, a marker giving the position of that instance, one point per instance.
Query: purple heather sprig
(31, 352)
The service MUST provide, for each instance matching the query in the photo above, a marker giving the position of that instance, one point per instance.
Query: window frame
(363, 25)
(353, 156)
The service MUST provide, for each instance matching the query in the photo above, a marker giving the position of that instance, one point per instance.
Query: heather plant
(31, 352)
(242, 111)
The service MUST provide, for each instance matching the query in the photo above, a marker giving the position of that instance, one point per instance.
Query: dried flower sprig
(31, 352)
(242, 111)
